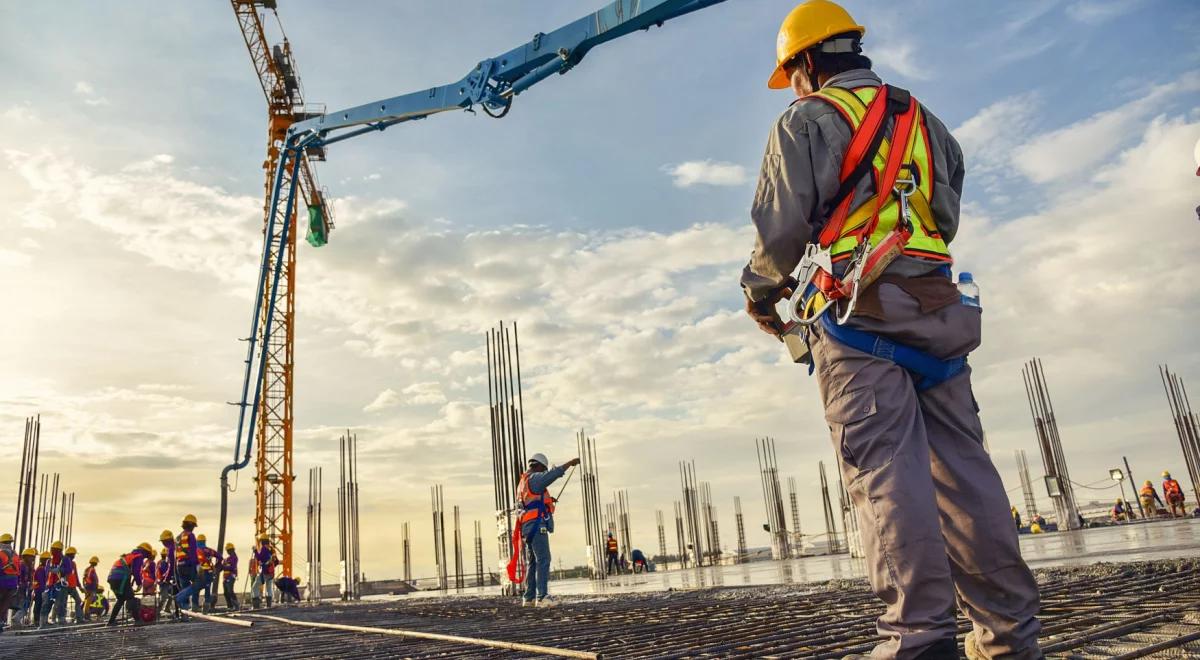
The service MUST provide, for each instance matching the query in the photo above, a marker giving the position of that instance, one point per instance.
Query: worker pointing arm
(857, 201)
(537, 523)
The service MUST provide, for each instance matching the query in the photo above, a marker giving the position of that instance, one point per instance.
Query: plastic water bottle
(968, 290)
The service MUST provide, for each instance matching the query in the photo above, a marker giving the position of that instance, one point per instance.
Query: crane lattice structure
(285, 106)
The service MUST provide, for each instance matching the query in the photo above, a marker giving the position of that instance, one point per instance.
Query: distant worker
(91, 583)
(1173, 493)
(41, 608)
(893, 378)
(186, 562)
(10, 575)
(70, 587)
(167, 565)
(1016, 516)
(1151, 502)
(1035, 528)
(1120, 512)
(123, 580)
(612, 552)
(264, 558)
(639, 561)
(206, 574)
(229, 568)
(24, 613)
(55, 583)
(96, 604)
(289, 589)
(537, 523)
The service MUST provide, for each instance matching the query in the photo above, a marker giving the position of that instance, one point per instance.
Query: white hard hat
(539, 458)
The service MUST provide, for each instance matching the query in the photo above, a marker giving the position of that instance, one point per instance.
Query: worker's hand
(763, 311)
(571, 463)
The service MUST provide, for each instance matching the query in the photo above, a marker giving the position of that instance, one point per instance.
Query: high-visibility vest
(535, 505)
(53, 571)
(1172, 489)
(123, 566)
(1148, 491)
(612, 545)
(182, 543)
(926, 242)
(10, 563)
(90, 579)
(206, 558)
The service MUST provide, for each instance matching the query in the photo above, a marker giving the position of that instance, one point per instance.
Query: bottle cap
(965, 277)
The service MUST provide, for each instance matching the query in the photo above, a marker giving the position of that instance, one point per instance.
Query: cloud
(706, 172)
(901, 57)
(86, 90)
(388, 398)
(1094, 12)
(1080, 147)
(990, 136)
(427, 393)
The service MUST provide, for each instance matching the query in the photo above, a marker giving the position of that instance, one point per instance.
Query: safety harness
(534, 506)
(870, 237)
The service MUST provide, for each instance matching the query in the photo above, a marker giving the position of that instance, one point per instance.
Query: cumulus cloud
(901, 57)
(706, 172)
(388, 398)
(88, 92)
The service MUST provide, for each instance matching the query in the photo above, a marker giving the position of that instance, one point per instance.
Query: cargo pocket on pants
(861, 446)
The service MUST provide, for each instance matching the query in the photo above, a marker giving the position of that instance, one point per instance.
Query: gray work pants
(934, 516)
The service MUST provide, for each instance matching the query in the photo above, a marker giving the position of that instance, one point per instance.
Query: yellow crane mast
(285, 105)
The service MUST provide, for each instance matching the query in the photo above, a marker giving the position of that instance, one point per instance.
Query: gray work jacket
(800, 175)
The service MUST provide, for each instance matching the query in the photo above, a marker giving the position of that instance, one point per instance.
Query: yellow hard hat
(1148, 483)
(807, 25)
(57, 545)
(264, 537)
(44, 555)
(94, 560)
(200, 537)
(6, 538)
(229, 546)
(146, 547)
(166, 535)
(189, 518)
(29, 552)
(163, 552)
(72, 551)
(1166, 474)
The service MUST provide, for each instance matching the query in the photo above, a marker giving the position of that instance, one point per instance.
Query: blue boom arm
(492, 84)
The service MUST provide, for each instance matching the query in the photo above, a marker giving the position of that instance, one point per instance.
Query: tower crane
(276, 318)
(492, 84)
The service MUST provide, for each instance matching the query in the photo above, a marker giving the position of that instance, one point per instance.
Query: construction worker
(10, 575)
(96, 604)
(55, 583)
(289, 589)
(91, 582)
(537, 523)
(612, 552)
(186, 562)
(1016, 516)
(264, 559)
(638, 559)
(206, 573)
(229, 566)
(69, 586)
(1151, 502)
(893, 379)
(166, 571)
(29, 557)
(1173, 493)
(123, 580)
(41, 608)
(1120, 512)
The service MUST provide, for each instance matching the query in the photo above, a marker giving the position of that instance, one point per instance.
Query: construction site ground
(1102, 610)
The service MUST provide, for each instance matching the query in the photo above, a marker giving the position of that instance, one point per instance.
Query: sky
(607, 215)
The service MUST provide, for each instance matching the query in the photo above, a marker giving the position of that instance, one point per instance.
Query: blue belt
(926, 370)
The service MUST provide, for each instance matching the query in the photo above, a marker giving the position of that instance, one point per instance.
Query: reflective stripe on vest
(124, 564)
(612, 545)
(1171, 487)
(926, 242)
(534, 504)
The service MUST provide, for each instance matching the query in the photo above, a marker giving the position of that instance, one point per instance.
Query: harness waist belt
(927, 371)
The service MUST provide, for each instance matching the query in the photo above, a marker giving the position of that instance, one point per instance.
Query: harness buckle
(904, 189)
(815, 261)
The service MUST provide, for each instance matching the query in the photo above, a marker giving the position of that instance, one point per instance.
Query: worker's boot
(256, 602)
(268, 601)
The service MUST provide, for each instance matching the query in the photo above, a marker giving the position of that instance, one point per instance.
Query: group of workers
(1153, 505)
(35, 587)
(615, 561)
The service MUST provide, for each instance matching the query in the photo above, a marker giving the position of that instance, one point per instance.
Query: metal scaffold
(831, 533)
(406, 542)
(478, 554)
(696, 536)
(1026, 484)
(313, 541)
(797, 536)
(781, 547)
(742, 555)
(589, 487)
(712, 533)
(439, 537)
(1058, 477)
(458, 552)
(1187, 427)
(662, 538)
(507, 421)
(348, 530)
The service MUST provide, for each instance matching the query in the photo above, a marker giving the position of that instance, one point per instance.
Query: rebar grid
(1100, 611)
